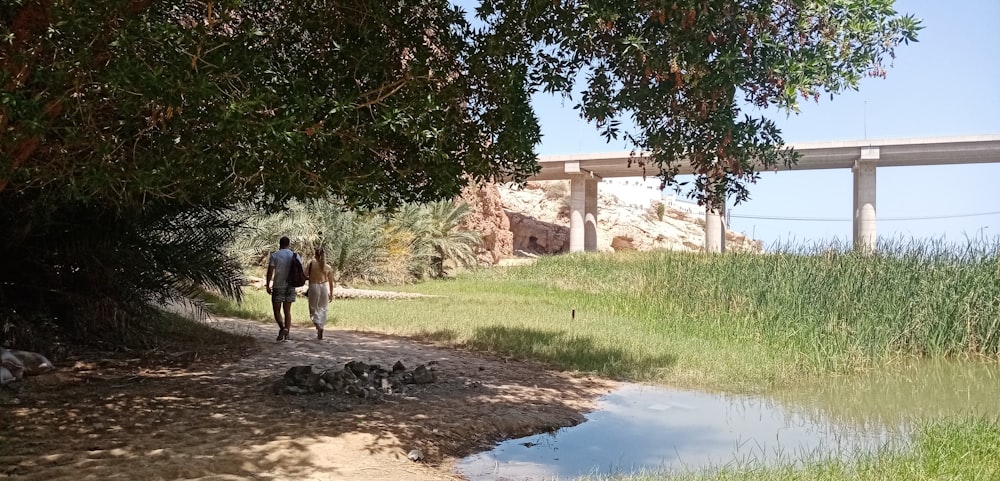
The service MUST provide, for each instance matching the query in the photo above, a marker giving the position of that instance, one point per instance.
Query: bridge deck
(815, 155)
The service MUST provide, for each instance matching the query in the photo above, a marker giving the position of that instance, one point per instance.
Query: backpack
(296, 278)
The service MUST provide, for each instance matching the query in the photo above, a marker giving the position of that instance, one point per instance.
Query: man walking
(282, 294)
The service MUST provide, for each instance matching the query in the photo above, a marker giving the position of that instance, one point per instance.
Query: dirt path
(202, 420)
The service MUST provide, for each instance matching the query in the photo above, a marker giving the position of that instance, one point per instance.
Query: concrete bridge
(862, 156)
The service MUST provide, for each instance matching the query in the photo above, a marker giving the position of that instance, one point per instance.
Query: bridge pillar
(582, 214)
(590, 215)
(577, 196)
(722, 229)
(715, 230)
(864, 200)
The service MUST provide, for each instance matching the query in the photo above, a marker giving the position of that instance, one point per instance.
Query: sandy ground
(207, 419)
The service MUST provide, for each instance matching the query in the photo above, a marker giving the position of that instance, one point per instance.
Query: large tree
(121, 120)
(681, 71)
(127, 128)
(129, 101)
(126, 102)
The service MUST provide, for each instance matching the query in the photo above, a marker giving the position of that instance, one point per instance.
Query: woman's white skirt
(319, 300)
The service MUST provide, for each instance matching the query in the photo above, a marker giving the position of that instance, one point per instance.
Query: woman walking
(320, 286)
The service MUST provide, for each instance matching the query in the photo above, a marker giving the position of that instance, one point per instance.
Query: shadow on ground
(563, 347)
(210, 419)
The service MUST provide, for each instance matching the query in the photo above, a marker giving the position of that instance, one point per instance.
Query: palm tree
(355, 244)
(260, 237)
(353, 240)
(417, 241)
(103, 276)
(438, 240)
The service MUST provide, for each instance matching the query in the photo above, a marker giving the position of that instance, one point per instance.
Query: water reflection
(641, 427)
(894, 397)
(649, 428)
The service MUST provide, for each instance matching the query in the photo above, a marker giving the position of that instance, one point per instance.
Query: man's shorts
(283, 294)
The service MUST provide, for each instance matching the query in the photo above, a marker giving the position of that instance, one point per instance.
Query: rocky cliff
(489, 219)
(535, 220)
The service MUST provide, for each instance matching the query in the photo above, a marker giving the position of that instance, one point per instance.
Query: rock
(34, 363)
(298, 375)
(415, 455)
(487, 217)
(295, 390)
(359, 368)
(6, 377)
(12, 363)
(537, 236)
(339, 380)
(622, 243)
(367, 381)
(422, 375)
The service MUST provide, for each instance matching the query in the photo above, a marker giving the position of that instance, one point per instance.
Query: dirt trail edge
(204, 420)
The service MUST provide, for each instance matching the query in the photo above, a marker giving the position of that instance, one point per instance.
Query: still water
(652, 428)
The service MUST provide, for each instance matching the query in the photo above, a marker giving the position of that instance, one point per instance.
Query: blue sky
(944, 85)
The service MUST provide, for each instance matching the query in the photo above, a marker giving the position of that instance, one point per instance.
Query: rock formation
(535, 220)
(488, 218)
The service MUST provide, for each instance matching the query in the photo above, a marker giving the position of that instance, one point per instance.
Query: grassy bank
(967, 450)
(840, 310)
(738, 322)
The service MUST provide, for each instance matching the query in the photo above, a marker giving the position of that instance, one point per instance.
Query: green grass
(735, 322)
(256, 305)
(962, 449)
(837, 309)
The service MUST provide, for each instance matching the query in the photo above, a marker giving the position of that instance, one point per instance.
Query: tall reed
(837, 307)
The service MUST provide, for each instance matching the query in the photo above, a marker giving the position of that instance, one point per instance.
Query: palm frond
(98, 273)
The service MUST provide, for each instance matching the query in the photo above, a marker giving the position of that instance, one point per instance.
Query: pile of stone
(356, 379)
(15, 365)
